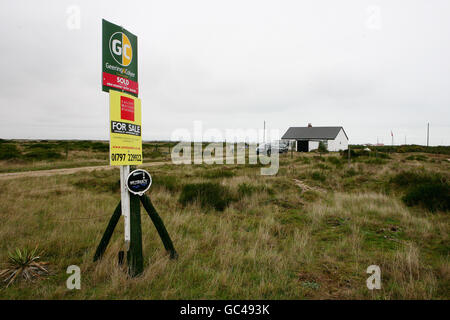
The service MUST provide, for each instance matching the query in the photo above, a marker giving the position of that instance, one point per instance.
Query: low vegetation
(208, 195)
(432, 196)
(23, 264)
(309, 232)
(26, 155)
(430, 190)
(406, 149)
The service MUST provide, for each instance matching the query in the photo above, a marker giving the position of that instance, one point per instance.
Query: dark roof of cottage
(312, 133)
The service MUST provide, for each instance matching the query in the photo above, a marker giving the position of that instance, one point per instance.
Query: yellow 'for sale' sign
(125, 145)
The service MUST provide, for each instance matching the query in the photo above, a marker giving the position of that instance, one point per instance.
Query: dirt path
(51, 172)
(46, 173)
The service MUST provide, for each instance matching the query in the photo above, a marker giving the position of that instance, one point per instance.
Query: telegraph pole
(264, 138)
(428, 134)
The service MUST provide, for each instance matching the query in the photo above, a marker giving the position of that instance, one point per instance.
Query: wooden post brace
(159, 225)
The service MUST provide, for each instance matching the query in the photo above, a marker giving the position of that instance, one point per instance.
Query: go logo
(120, 48)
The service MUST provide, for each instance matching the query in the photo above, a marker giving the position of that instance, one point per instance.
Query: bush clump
(428, 189)
(218, 173)
(9, 151)
(319, 158)
(412, 178)
(318, 176)
(45, 146)
(100, 147)
(82, 145)
(209, 195)
(334, 160)
(108, 185)
(246, 189)
(353, 153)
(418, 158)
(322, 147)
(153, 154)
(375, 161)
(304, 160)
(433, 196)
(42, 154)
(350, 173)
(382, 155)
(167, 182)
(321, 166)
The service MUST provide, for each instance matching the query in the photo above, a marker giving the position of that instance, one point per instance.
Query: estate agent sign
(125, 129)
(119, 59)
(119, 78)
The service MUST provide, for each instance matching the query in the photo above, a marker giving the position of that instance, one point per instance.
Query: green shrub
(428, 189)
(9, 151)
(168, 182)
(433, 196)
(407, 149)
(100, 147)
(322, 147)
(319, 176)
(209, 195)
(218, 173)
(153, 154)
(375, 161)
(421, 157)
(353, 153)
(305, 160)
(412, 178)
(246, 189)
(382, 155)
(109, 184)
(350, 173)
(334, 160)
(321, 166)
(80, 145)
(319, 158)
(43, 146)
(42, 154)
(416, 148)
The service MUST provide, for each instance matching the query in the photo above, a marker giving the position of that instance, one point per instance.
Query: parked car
(266, 148)
(283, 147)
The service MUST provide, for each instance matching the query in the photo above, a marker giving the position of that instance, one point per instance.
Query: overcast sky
(369, 66)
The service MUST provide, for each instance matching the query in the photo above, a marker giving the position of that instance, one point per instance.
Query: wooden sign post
(119, 74)
(135, 258)
(134, 254)
(125, 203)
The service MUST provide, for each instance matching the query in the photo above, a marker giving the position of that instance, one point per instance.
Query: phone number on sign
(123, 157)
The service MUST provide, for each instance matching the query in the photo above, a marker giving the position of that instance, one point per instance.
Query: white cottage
(305, 139)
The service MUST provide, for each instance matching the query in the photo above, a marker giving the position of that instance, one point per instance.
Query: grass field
(310, 232)
(26, 155)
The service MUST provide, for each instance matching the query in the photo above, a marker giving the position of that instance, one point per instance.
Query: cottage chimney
(309, 125)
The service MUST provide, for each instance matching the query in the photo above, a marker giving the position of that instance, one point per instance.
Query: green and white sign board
(119, 59)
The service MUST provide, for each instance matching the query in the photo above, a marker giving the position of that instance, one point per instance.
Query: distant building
(305, 139)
